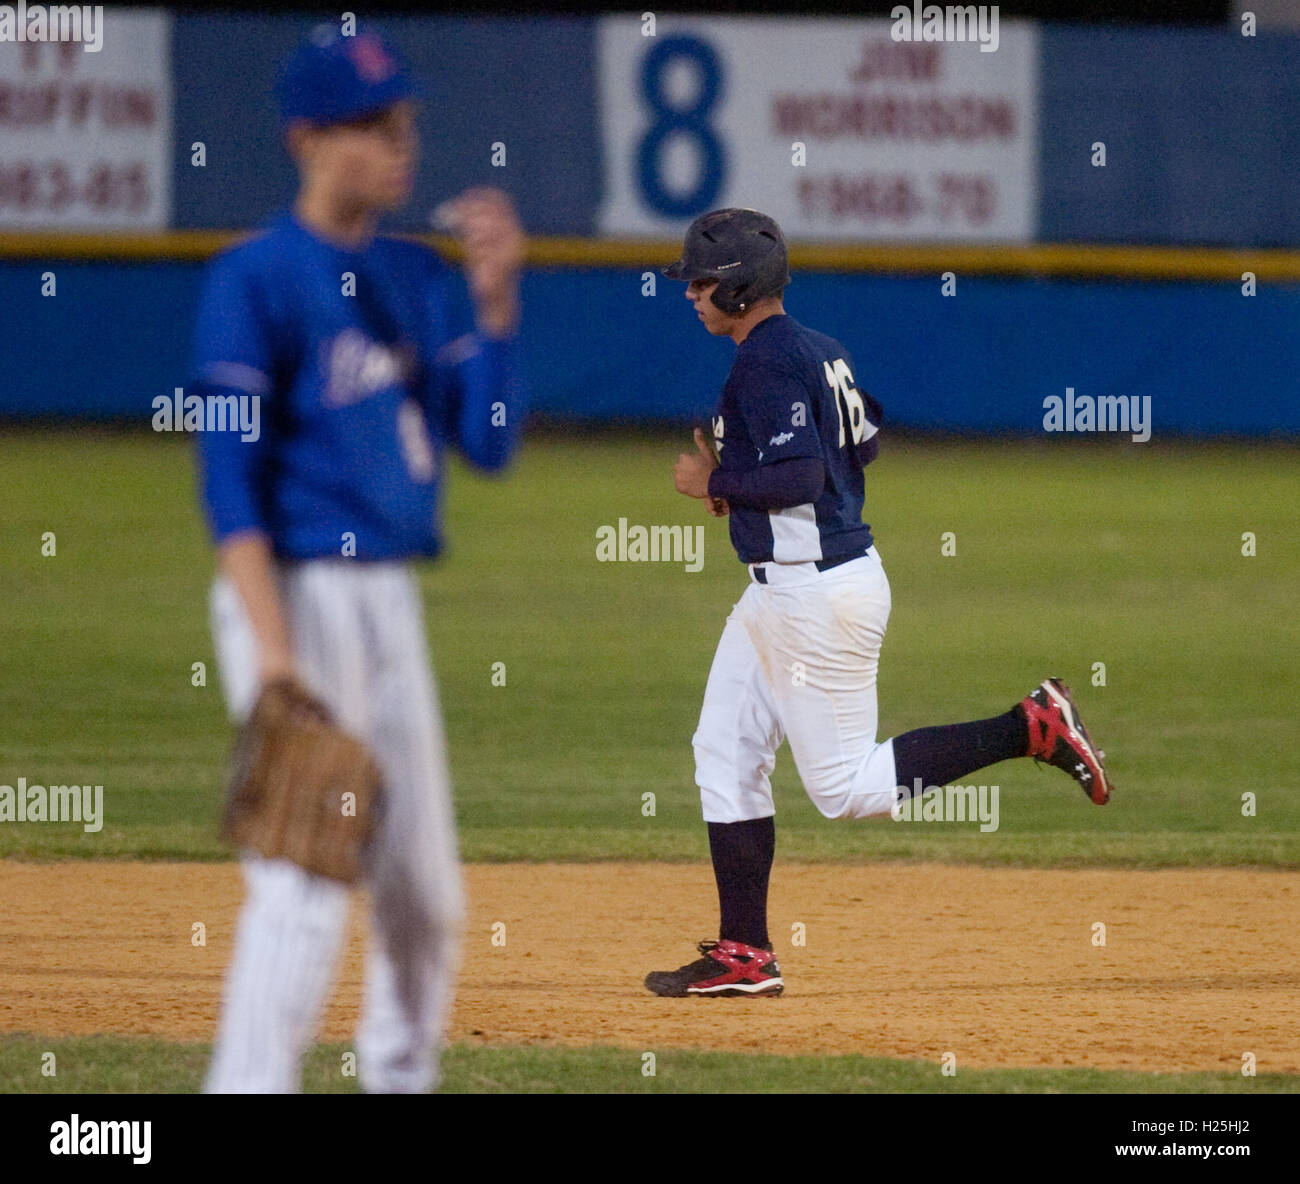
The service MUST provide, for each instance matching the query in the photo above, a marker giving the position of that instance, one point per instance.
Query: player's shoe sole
(1057, 736)
(728, 968)
(771, 986)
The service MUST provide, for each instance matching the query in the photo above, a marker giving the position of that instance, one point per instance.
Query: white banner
(85, 133)
(834, 127)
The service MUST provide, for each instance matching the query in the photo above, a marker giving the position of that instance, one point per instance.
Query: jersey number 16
(863, 412)
(847, 396)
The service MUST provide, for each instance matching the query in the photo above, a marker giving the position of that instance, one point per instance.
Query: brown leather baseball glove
(301, 788)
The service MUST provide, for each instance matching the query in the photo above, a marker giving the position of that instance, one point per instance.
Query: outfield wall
(1201, 126)
(122, 170)
(832, 125)
(1212, 360)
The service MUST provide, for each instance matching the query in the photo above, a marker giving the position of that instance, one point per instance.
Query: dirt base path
(997, 966)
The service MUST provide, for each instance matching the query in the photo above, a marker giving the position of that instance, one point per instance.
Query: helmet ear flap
(728, 299)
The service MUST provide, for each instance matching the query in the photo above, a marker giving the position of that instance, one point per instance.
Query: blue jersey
(791, 394)
(363, 386)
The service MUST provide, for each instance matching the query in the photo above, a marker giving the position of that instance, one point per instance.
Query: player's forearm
(771, 487)
(493, 405)
(497, 319)
(247, 561)
(229, 467)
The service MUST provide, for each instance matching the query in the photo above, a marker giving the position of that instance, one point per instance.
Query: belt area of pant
(760, 575)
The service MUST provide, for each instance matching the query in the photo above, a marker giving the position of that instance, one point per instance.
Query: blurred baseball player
(797, 659)
(346, 338)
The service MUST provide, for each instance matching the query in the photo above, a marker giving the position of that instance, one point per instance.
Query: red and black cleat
(1057, 736)
(727, 968)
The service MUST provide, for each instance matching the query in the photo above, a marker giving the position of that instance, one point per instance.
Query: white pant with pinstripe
(358, 636)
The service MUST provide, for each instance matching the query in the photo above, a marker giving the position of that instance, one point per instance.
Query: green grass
(1068, 553)
(111, 1064)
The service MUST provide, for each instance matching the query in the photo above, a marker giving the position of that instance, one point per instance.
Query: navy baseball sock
(742, 861)
(942, 755)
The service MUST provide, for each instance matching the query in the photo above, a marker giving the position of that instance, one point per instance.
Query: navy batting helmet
(742, 249)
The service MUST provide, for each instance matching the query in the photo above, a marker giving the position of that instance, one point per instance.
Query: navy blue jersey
(363, 384)
(791, 394)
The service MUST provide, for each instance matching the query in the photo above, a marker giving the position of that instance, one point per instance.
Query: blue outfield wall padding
(111, 339)
(1202, 132)
(473, 74)
(1212, 361)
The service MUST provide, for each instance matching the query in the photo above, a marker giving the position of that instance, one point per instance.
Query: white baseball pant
(358, 636)
(797, 660)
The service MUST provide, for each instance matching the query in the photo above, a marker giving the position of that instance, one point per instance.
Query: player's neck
(349, 227)
(744, 326)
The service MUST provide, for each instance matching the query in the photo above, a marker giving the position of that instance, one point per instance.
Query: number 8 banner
(840, 129)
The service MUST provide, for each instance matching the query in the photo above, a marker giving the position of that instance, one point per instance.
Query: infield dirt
(998, 966)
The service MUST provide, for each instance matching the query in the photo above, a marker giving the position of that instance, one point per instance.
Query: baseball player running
(346, 339)
(797, 658)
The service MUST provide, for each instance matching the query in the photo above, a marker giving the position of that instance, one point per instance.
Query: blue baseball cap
(331, 78)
